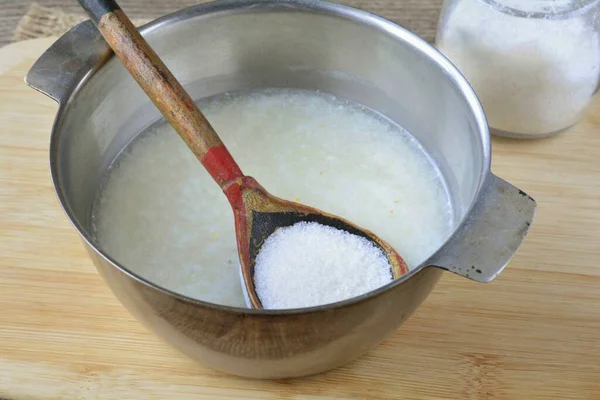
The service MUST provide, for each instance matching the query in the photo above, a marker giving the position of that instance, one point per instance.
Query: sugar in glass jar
(534, 64)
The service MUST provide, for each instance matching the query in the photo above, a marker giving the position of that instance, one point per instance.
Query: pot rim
(380, 24)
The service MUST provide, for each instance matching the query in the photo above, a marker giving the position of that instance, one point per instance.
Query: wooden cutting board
(534, 333)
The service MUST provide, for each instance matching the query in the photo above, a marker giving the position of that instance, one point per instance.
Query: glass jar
(534, 64)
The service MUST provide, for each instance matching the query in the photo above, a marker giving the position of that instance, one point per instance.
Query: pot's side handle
(490, 237)
(58, 71)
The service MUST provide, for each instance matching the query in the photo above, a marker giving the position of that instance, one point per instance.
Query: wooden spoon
(257, 214)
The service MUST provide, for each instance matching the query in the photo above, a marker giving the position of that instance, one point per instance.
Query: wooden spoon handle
(163, 89)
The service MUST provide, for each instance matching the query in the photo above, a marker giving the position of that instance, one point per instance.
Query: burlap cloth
(43, 21)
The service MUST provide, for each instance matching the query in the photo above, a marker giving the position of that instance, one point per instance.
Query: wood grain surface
(420, 16)
(534, 333)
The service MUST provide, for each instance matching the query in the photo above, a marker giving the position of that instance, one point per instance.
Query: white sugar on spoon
(309, 264)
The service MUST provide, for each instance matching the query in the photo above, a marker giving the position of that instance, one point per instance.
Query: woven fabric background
(54, 17)
(42, 21)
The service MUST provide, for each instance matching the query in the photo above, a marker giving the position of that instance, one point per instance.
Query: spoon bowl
(257, 214)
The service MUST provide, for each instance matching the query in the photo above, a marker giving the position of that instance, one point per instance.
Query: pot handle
(79, 51)
(491, 235)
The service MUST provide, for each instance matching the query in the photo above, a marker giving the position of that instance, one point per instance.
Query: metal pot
(234, 45)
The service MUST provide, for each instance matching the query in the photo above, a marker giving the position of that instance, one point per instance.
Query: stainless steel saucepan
(234, 45)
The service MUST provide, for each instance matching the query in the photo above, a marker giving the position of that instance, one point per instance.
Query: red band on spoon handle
(220, 165)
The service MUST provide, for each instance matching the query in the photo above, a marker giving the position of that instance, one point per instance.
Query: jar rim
(550, 11)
